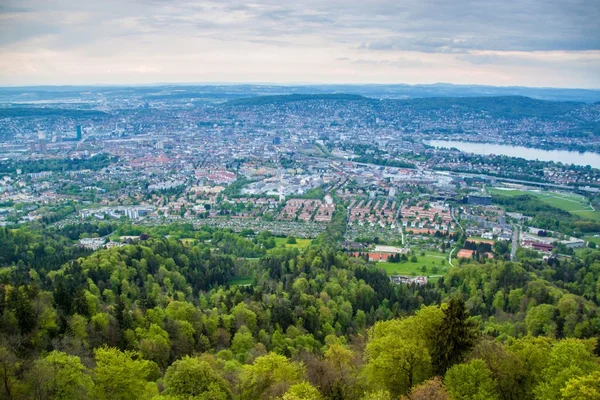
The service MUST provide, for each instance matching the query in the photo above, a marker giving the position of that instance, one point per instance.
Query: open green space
(240, 281)
(430, 260)
(300, 243)
(595, 239)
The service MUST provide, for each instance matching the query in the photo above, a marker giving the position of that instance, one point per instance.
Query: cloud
(300, 39)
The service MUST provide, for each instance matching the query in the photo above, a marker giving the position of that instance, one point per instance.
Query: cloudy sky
(501, 42)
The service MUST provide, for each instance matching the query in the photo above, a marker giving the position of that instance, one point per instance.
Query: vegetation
(167, 318)
(497, 106)
(546, 216)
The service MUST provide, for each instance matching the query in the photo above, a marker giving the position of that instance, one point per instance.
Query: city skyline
(530, 43)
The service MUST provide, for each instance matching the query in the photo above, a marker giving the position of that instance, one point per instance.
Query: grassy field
(572, 203)
(240, 281)
(592, 239)
(300, 243)
(430, 260)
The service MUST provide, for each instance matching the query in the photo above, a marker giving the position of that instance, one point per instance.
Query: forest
(160, 319)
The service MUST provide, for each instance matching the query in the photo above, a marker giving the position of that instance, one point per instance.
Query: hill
(30, 112)
(262, 100)
(499, 106)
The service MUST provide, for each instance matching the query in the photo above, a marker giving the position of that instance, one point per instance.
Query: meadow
(240, 281)
(430, 260)
(300, 243)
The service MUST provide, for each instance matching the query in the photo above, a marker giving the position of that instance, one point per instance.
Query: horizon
(293, 84)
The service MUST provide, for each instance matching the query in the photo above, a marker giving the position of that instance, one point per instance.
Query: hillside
(31, 112)
(262, 100)
(315, 322)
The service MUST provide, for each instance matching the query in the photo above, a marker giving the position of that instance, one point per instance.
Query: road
(452, 210)
(398, 222)
(515, 243)
(450, 257)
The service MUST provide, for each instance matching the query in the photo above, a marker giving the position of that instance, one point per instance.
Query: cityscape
(299, 200)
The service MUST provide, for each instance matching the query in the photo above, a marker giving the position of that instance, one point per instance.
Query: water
(564, 156)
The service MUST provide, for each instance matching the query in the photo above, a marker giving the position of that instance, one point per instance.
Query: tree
(540, 320)
(122, 375)
(60, 376)
(269, 376)
(584, 388)
(378, 395)
(192, 377)
(242, 342)
(9, 363)
(341, 366)
(432, 389)
(397, 354)
(472, 381)
(155, 344)
(569, 358)
(302, 391)
(532, 355)
(454, 337)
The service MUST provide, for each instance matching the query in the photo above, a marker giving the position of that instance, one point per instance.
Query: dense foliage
(159, 318)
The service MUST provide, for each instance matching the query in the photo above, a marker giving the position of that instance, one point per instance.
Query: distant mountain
(221, 93)
(48, 112)
(500, 106)
(495, 106)
(260, 100)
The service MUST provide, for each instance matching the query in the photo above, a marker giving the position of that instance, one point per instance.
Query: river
(564, 156)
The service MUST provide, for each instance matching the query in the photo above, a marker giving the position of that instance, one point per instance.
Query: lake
(564, 156)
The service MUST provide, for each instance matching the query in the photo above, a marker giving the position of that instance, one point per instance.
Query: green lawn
(592, 239)
(583, 251)
(430, 260)
(240, 281)
(591, 215)
(508, 192)
(300, 243)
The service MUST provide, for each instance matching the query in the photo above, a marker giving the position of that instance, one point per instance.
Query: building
(573, 243)
(79, 134)
(539, 246)
(406, 280)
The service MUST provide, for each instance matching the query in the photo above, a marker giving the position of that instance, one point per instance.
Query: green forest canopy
(158, 319)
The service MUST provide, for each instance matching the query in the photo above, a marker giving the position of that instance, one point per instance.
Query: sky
(542, 43)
